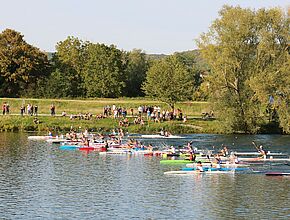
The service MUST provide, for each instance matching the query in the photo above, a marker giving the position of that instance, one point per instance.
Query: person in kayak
(86, 142)
(199, 167)
(192, 156)
(263, 152)
(106, 145)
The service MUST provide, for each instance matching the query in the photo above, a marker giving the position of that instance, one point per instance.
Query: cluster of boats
(230, 163)
(196, 161)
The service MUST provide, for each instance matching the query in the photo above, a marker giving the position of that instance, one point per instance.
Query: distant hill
(50, 55)
(156, 56)
(189, 54)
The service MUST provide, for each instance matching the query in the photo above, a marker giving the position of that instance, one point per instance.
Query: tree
(169, 80)
(70, 60)
(21, 64)
(136, 68)
(244, 49)
(104, 71)
(197, 67)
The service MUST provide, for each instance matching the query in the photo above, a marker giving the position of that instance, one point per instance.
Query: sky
(155, 26)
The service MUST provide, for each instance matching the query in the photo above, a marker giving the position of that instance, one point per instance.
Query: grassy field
(95, 106)
(15, 122)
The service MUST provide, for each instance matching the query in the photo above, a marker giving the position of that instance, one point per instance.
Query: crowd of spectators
(148, 113)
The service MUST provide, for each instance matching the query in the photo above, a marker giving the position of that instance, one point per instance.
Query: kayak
(69, 147)
(218, 169)
(258, 153)
(264, 160)
(181, 161)
(41, 138)
(56, 140)
(277, 174)
(182, 172)
(88, 148)
(159, 136)
(230, 165)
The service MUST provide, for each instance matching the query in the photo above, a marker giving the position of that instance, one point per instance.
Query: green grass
(15, 122)
(95, 106)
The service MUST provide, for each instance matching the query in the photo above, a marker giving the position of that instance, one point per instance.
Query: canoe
(180, 161)
(194, 172)
(277, 174)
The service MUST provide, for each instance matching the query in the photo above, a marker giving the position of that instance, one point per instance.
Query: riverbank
(60, 124)
(95, 106)
(15, 122)
(195, 122)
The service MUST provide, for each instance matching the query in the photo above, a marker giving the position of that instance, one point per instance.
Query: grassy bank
(95, 106)
(60, 124)
(15, 122)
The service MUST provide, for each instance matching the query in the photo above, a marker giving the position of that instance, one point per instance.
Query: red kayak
(87, 148)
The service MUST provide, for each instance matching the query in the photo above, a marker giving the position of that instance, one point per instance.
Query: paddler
(86, 142)
(199, 167)
(192, 156)
(263, 152)
(106, 145)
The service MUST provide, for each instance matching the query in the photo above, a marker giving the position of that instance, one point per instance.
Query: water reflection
(38, 181)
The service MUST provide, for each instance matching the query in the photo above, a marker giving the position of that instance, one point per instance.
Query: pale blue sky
(155, 26)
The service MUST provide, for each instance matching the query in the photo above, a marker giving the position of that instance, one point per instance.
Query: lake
(39, 181)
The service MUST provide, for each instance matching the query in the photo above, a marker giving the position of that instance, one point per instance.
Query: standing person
(32, 108)
(52, 110)
(35, 110)
(22, 110)
(132, 111)
(7, 108)
(28, 109)
(4, 108)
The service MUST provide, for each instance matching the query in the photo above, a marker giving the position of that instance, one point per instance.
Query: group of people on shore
(29, 109)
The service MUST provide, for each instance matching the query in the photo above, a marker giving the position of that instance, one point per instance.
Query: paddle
(256, 146)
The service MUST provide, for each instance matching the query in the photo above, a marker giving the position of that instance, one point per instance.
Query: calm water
(38, 181)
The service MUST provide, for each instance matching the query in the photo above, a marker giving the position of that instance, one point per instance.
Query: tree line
(241, 67)
(77, 69)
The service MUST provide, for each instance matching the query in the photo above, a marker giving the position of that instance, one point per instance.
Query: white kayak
(40, 137)
(257, 153)
(194, 172)
(125, 151)
(225, 165)
(159, 136)
(259, 159)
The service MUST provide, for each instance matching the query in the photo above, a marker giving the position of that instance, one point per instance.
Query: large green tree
(245, 50)
(136, 69)
(169, 80)
(104, 71)
(69, 62)
(21, 64)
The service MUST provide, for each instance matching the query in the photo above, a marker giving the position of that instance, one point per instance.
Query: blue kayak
(69, 147)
